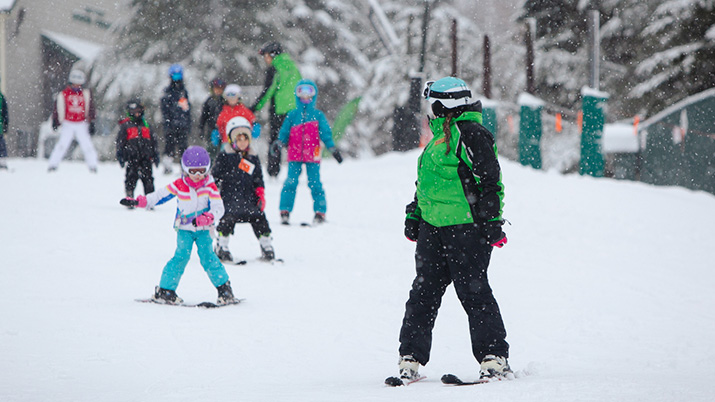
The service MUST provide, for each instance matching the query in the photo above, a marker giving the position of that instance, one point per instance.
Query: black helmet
(271, 48)
(218, 83)
(135, 105)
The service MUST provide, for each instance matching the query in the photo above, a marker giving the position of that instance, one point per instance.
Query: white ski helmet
(232, 91)
(77, 77)
(241, 124)
(447, 93)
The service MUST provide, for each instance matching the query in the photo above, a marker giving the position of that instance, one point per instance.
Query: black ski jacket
(136, 142)
(236, 184)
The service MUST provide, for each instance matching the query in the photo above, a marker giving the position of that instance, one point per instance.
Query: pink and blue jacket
(193, 199)
(303, 129)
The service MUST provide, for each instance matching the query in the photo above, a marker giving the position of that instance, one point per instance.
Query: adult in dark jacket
(238, 175)
(281, 78)
(209, 113)
(137, 149)
(176, 114)
(456, 220)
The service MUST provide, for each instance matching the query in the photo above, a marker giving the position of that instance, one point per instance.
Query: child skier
(239, 177)
(303, 129)
(199, 204)
(209, 113)
(137, 149)
(234, 107)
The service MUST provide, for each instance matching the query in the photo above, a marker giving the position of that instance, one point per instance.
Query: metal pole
(416, 81)
(487, 81)
(454, 47)
(594, 43)
(529, 42)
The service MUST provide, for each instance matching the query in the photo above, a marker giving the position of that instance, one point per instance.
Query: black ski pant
(259, 224)
(274, 160)
(136, 170)
(177, 140)
(444, 255)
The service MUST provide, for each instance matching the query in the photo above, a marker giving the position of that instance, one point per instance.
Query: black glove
(491, 232)
(338, 157)
(412, 227)
(92, 128)
(55, 125)
(156, 159)
(120, 160)
(276, 148)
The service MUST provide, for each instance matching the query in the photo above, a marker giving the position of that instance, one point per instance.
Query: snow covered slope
(606, 289)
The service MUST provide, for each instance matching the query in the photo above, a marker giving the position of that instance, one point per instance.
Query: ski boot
(285, 217)
(267, 253)
(166, 296)
(409, 368)
(130, 196)
(225, 294)
(495, 367)
(319, 218)
(223, 254)
(166, 161)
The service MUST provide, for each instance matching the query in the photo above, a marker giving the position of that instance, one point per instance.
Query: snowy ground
(606, 289)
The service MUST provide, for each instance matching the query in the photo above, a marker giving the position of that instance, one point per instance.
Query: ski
(205, 305)
(398, 382)
(451, 379)
(272, 262)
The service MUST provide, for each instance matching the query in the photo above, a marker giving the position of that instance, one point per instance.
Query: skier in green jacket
(456, 220)
(281, 78)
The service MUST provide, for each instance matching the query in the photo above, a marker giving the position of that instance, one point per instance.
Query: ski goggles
(433, 96)
(198, 170)
(305, 91)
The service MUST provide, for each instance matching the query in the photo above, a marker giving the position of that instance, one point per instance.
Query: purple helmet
(195, 157)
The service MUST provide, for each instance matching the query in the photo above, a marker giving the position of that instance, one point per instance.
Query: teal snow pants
(185, 240)
(290, 186)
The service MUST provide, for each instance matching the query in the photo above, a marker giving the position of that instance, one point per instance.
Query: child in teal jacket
(303, 130)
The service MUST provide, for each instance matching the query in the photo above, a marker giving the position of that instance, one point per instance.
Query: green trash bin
(594, 117)
(530, 129)
(489, 116)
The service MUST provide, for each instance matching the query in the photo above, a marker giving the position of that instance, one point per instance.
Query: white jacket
(192, 202)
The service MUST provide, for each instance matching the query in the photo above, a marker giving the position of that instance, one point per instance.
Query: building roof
(83, 49)
(7, 5)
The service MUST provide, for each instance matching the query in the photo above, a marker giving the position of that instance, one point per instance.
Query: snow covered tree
(680, 60)
(333, 42)
(653, 52)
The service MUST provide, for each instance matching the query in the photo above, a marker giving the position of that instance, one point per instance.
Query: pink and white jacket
(194, 199)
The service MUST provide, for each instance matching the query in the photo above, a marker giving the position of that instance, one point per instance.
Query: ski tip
(450, 379)
(394, 382)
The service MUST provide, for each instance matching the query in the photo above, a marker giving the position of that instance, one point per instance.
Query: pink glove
(261, 193)
(141, 201)
(204, 219)
(500, 243)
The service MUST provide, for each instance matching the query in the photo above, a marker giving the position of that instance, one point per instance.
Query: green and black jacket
(463, 185)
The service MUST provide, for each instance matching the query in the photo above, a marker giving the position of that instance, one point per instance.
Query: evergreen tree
(332, 42)
(681, 57)
(653, 53)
